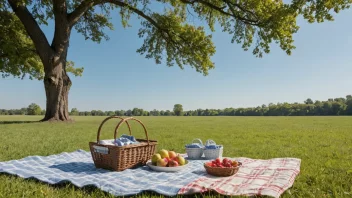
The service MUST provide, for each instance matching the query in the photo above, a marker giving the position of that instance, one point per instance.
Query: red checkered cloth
(255, 177)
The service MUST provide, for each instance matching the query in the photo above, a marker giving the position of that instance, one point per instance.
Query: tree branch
(74, 16)
(241, 8)
(135, 10)
(32, 28)
(221, 10)
(62, 28)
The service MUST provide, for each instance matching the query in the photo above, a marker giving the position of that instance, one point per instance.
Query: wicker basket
(222, 172)
(119, 158)
(213, 153)
(195, 153)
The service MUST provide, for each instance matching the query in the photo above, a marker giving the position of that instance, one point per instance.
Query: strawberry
(225, 160)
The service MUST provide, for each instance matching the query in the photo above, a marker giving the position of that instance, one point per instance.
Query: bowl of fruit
(222, 168)
(167, 161)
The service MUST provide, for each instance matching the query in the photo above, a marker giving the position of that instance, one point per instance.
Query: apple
(225, 160)
(218, 160)
(172, 154)
(164, 153)
(162, 162)
(173, 163)
(155, 158)
(181, 161)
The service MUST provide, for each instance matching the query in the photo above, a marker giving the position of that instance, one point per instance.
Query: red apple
(218, 160)
(173, 163)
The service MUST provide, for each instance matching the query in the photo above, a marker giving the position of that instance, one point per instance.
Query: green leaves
(70, 67)
(18, 56)
(182, 44)
(92, 25)
(320, 10)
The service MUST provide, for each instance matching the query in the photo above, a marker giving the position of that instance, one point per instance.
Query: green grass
(323, 143)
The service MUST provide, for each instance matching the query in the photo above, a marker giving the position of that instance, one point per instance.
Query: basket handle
(210, 142)
(108, 118)
(199, 140)
(131, 118)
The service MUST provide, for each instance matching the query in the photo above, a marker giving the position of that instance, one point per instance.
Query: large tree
(24, 48)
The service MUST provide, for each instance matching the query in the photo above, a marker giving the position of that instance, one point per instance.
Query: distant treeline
(337, 106)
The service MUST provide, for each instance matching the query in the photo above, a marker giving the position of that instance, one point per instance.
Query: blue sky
(116, 77)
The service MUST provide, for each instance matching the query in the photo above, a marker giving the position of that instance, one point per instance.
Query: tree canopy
(168, 36)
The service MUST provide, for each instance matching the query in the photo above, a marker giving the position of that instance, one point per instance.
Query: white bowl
(166, 169)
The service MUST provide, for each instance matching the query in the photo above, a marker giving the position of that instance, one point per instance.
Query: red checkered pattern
(255, 177)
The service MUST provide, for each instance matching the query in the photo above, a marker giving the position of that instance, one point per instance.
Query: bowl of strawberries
(222, 168)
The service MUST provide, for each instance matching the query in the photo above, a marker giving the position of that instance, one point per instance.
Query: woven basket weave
(222, 172)
(119, 158)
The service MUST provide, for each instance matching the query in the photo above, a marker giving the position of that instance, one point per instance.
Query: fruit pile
(225, 163)
(167, 158)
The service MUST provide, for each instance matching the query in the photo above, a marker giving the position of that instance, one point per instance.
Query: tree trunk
(57, 85)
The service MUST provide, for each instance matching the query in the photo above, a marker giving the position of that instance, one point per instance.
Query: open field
(323, 143)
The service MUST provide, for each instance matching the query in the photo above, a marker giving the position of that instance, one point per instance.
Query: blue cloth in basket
(126, 140)
(213, 146)
(194, 145)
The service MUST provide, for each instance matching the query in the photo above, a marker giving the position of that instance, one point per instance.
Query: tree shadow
(18, 122)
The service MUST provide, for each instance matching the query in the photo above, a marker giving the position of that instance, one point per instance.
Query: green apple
(181, 161)
(164, 153)
(155, 158)
(162, 162)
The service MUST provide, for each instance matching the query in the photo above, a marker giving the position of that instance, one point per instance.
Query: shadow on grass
(18, 122)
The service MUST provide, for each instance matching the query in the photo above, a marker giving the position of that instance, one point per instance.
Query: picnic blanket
(261, 177)
(256, 177)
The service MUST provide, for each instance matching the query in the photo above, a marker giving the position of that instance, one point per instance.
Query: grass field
(323, 143)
